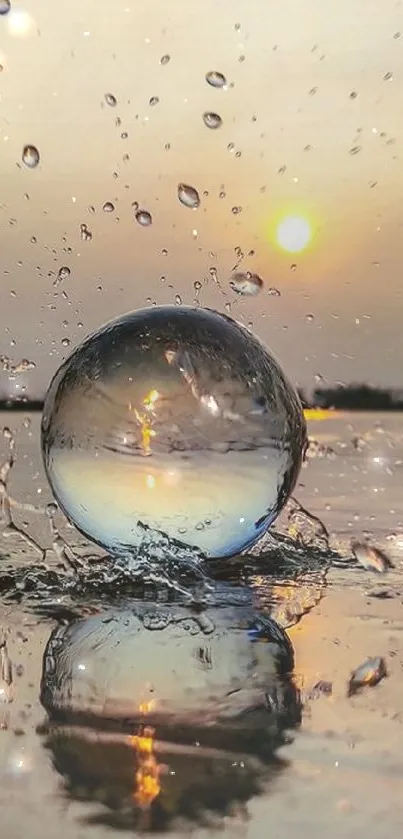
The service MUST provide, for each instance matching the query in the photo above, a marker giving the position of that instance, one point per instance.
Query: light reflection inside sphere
(174, 419)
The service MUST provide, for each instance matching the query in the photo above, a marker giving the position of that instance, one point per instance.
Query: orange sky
(287, 108)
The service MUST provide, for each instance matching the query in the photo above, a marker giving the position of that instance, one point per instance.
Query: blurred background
(285, 119)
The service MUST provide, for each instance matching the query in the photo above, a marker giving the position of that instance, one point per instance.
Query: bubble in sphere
(177, 420)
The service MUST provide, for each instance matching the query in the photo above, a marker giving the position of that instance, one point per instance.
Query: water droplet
(388, 77)
(212, 120)
(309, 318)
(143, 217)
(236, 210)
(188, 196)
(216, 79)
(5, 7)
(185, 430)
(274, 292)
(355, 150)
(246, 283)
(197, 287)
(153, 101)
(111, 100)
(165, 59)
(353, 94)
(62, 274)
(178, 300)
(108, 207)
(85, 233)
(30, 156)
(65, 342)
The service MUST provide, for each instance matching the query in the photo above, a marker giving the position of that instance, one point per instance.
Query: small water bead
(30, 156)
(197, 287)
(165, 59)
(188, 196)
(85, 233)
(5, 7)
(108, 207)
(215, 79)
(65, 342)
(143, 217)
(212, 120)
(178, 300)
(111, 100)
(246, 283)
(153, 101)
(62, 274)
(167, 417)
(274, 292)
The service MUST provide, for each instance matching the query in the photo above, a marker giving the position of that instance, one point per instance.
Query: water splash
(286, 572)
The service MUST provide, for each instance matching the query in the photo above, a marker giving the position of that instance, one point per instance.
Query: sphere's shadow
(160, 716)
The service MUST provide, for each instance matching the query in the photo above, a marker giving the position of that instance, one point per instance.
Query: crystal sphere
(177, 420)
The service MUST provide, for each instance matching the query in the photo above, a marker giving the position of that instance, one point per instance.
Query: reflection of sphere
(175, 419)
(196, 703)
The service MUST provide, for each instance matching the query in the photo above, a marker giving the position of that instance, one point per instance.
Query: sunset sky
(312, 130)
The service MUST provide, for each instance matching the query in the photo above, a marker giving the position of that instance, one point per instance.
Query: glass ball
(176, 420)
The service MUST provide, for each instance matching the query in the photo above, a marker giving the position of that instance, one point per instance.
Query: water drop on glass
(212, 120)
(178, 300)
(165, 59)
(236, 210)
(111, 100)
(108, 207)
(5, 7)
(167, 417)
(246, 283)
(310, 318)
(65, 342)
(188, 196)
(30, 156)
(85, 233)
(153, 101)
(215, 79)
(62, 274)
(143, 217)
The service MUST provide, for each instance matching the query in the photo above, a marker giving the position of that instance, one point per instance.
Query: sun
(293, 234)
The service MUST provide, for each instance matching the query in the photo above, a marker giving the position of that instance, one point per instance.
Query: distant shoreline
(36, 405)
(21, 405)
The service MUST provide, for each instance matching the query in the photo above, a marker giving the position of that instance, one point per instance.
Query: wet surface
(127, 705)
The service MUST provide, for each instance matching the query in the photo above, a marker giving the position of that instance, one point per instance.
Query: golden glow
(147, 777)
(150, 400)
(19, 23)
(145, 421)
(317, 414)
(293, 234)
